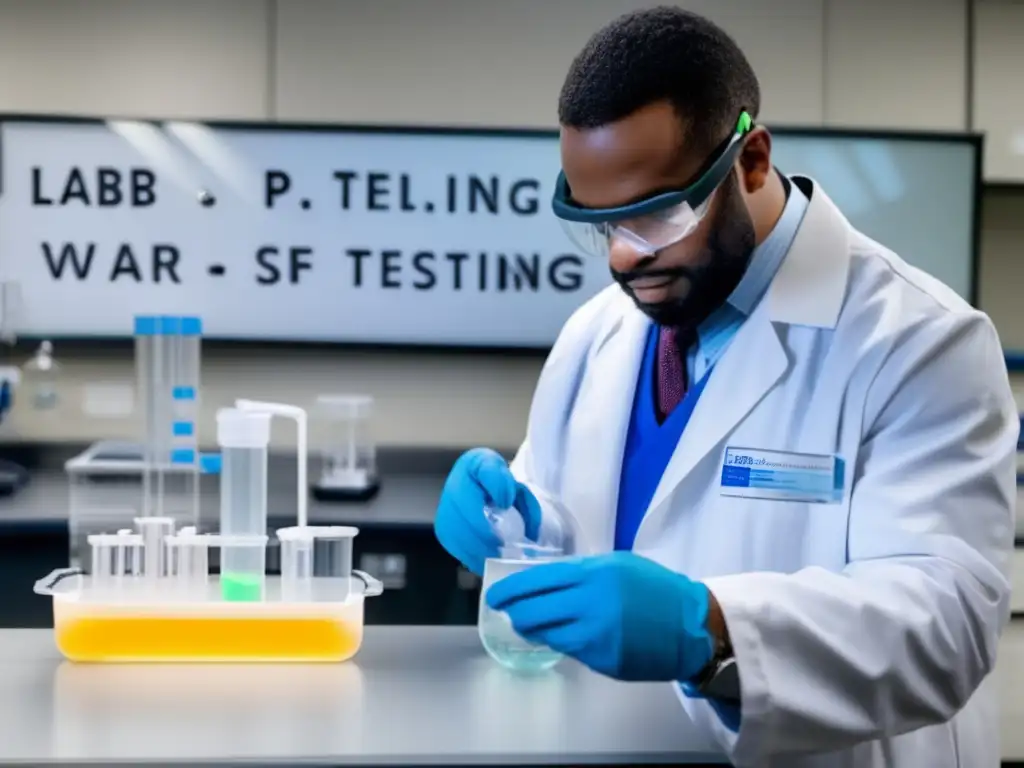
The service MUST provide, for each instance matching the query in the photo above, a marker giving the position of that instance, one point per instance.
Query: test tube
(103, 562)
(184, 401)
(129, 560)
(113, 557)
(147, 373)
(296, 564)
(189, 557)
(154, 531)
(243, 437)
(243, 567)
(168, 336)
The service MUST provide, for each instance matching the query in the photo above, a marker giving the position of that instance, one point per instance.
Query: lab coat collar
(810, 285)
(808, 289)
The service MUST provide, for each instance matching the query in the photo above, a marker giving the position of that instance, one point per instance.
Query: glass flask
(499, 639)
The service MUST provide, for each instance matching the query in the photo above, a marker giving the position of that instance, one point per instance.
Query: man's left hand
(620, 614)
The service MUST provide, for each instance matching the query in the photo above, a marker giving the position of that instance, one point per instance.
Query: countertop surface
(403, 500)
(412, 696)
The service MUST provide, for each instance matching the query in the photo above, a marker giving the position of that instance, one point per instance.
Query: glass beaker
(350, 457)
(499, 638)
(316, 562)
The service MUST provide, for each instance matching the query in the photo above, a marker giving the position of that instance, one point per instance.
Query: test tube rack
(151, 598)
(158, 562)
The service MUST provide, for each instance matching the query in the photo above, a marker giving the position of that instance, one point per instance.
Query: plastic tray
(130, 625)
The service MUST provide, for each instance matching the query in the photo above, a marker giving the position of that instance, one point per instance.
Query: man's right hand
(480, 478)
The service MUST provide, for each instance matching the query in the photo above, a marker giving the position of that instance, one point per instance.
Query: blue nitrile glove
(480, 477)
(620, 614)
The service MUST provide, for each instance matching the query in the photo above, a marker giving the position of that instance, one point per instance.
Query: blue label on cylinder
(170, 326)
(191, 326)
(145, 325)
(210, 463)
(184, 429)
(183, 393)
(183, 456)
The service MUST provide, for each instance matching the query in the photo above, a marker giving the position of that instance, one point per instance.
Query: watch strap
(721, 656)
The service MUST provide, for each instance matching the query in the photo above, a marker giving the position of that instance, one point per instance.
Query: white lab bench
(412, 696)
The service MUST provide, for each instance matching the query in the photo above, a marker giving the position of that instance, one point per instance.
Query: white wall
(499, 62)
(997, 98)
(183, 59)
(873, 63)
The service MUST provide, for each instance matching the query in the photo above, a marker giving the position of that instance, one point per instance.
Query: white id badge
(778, 476)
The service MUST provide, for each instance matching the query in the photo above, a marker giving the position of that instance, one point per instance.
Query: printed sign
(285, 233)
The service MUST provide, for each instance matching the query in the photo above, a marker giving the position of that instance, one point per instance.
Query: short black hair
(663, 53)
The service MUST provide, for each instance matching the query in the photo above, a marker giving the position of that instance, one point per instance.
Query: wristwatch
(720, 678)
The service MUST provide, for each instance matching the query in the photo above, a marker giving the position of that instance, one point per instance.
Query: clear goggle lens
(646, 234)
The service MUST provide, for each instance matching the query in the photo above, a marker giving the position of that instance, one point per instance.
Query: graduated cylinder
(244, 437)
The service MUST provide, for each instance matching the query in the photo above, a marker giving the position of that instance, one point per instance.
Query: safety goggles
(656, 222)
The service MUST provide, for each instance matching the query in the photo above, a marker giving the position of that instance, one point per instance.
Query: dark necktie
(671, 372)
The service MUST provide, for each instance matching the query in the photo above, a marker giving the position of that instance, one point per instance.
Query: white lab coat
(864, 631)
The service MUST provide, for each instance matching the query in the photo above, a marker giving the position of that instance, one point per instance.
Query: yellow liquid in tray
(189, 638)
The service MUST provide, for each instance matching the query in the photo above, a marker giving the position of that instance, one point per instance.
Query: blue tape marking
(145, 325)
(169, 326)
(210, 463)
(183, 393)
(191, 326)
(183, 456)
(183, 428)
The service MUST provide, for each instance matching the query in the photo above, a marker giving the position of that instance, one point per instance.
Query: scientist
(787, 456)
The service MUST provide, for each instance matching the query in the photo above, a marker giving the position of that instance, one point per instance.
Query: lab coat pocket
(784, 536)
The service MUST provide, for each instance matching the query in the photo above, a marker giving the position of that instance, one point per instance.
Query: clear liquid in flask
(499, 638)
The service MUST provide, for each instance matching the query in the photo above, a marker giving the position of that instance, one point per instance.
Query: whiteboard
(372, 236)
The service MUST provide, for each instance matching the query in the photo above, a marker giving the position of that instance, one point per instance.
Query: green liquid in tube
(241, 587)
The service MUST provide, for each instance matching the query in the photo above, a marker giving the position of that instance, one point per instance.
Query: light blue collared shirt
(715, 333)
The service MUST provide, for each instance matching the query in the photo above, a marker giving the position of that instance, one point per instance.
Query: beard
(724, 261)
